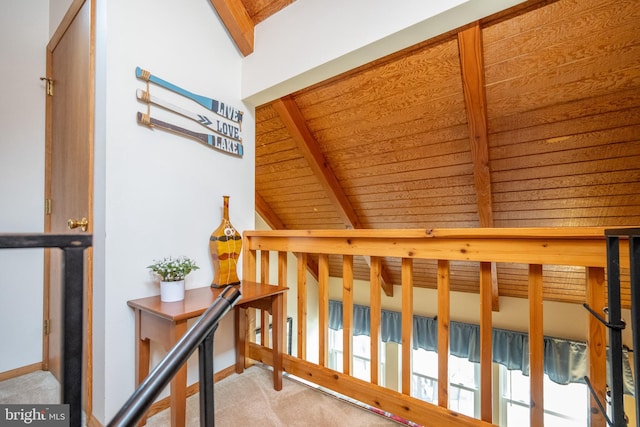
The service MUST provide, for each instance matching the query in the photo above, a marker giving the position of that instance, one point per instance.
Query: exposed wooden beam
(275, 223)
(269, 216)
(292, 118)
(312, 267)
(387, 281)
(295, 123)
(385, 277)
(263, 9)
(238, 22)
(472, 68)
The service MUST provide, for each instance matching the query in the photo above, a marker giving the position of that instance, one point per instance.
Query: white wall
(23, 38)
(161, 193)
(324, 38)
(57, 10)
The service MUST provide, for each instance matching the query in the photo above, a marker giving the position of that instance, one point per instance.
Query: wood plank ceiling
(529, 118)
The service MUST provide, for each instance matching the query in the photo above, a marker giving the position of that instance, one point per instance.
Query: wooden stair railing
(535, 247)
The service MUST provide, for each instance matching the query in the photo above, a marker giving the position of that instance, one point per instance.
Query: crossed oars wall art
(226, 136)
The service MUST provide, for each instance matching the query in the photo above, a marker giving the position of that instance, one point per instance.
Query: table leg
(179, 382)
(142, 346)
(178, 398)
(240, 325)
(277, 339)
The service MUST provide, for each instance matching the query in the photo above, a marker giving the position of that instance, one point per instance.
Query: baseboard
(165, 403)
(7, 375)
(93, 422)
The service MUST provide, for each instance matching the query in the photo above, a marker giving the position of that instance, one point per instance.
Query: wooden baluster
(375, 312)
(486, 342)
(248, 323)
(264, 315)
(536, 346)
(347, 312)
(302, 306)
(323, 309)
(407, 323)
(597, 343)
(248, 261)
(282, 281)
(443, 332)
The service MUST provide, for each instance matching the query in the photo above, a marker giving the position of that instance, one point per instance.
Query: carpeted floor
(38, 387)
(240, 400)
(249, 400)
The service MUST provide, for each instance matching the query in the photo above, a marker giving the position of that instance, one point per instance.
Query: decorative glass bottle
(225, 245)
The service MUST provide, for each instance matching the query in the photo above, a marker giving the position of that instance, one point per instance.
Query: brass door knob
(74, 223)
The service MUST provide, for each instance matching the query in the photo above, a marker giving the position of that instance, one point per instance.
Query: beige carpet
(38, 387)
(250, 400)
(240, 400)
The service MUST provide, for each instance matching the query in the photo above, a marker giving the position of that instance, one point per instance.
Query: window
(424, 378)
(361, 363)
(464, 385)
(335, 350)
(361, 356)
(463, 382)
(564, 405)
(289, 339)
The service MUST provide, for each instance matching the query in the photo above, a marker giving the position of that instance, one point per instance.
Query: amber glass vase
(225, 245)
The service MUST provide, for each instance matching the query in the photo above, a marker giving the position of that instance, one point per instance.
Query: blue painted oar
(220, 108)
(212, 141)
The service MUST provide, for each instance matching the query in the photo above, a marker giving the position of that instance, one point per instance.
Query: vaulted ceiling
(529, 118)
(241, 16)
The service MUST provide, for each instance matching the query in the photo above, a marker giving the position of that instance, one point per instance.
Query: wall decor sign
(226, 135)
(212, 141)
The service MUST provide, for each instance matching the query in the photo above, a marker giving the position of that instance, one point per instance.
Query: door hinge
(47, 206)
(49, 83)
(46, 327)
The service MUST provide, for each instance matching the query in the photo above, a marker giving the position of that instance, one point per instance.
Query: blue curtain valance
(564, 361)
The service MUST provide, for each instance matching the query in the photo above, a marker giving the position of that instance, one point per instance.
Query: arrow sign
(204, 120)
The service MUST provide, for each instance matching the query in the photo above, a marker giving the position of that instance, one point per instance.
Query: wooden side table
(166, 323)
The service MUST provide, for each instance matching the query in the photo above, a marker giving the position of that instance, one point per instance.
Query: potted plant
(172, 272)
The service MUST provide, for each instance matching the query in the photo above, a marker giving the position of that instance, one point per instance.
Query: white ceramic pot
(172, 291)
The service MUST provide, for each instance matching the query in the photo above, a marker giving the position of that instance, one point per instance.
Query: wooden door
(69, 169)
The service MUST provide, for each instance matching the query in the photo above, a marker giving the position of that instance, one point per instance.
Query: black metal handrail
(616, 324)
(199, 336)
(73, 247)
(618, 416)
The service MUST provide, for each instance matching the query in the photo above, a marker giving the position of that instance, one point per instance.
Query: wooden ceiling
(241, 16)
(530, 118)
